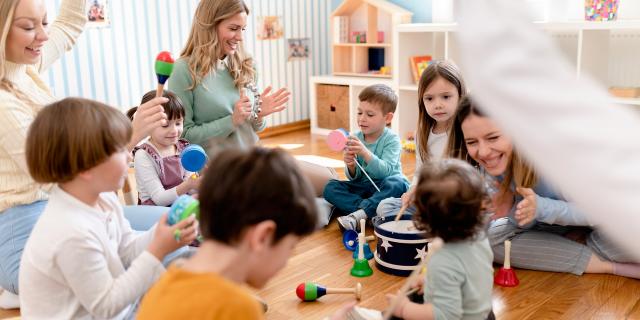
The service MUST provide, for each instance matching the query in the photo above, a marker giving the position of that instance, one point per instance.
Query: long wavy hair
(7, 9)
(518, 171)
(203, 47)
(438, 69)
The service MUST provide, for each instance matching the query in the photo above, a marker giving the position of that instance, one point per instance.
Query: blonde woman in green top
(211, 75)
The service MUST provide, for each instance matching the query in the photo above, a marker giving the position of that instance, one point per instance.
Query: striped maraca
(164, 67)
(310, 291)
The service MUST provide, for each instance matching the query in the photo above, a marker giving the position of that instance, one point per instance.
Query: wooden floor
(321, 258)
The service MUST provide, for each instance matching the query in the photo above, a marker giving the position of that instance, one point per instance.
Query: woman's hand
(169, 238)
(526, 208)
(150, 115)
(274, 102)
(242, 109)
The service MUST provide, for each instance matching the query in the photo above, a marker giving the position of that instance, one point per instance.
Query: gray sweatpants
(543, 247)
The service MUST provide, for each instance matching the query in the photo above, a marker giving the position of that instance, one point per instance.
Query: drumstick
(366, 174)
(433, 246)
(402, 209)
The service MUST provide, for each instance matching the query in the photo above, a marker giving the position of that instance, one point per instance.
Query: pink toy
(337, 141)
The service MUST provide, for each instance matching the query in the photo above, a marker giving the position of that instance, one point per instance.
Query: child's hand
(194, 181)
(169, 238)
(526, 208)
(355, 146)
(349, 158)
(242, 109)
(418, 285)
(404, 300)
(408, 196)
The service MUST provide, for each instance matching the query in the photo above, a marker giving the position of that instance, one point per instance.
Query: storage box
(621, 92)
(332, 106)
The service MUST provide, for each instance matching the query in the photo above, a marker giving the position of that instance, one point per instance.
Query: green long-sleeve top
(385, 161)
(209, 107)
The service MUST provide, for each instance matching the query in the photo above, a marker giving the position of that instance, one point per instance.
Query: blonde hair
(7, 9)
(448, 71)
(203, 47)
(57, 152)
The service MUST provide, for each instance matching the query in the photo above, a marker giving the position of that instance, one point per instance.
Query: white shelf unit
(355, 84)
(606, 51)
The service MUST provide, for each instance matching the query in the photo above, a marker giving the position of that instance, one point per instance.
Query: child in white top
(82, 259)
(440, 89)
(160, 178)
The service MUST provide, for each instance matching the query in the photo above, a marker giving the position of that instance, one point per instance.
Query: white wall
(115, 64)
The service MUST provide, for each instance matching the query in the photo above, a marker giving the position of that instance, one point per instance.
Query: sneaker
(352, 220)
(348, 222)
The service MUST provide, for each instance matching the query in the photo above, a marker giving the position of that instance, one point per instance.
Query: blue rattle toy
(181, 209)
(193, 158)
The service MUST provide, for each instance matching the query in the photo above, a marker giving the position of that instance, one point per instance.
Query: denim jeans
(16, 224)
(15, 227)
(391, 206)
(349, 196)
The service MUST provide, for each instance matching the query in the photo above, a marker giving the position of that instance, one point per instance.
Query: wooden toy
(401, 212)
(506, 277)
(163, 67)
(310, 291)
(337, 141)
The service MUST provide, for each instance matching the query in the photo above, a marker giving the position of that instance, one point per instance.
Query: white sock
(9, 300)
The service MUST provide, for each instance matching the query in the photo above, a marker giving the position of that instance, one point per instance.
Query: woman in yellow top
(28, 46)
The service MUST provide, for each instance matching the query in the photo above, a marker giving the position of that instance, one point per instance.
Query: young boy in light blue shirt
(377, 149)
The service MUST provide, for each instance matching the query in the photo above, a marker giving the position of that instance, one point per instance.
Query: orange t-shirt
(181, 294)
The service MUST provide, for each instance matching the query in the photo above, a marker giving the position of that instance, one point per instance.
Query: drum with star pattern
(400, 246)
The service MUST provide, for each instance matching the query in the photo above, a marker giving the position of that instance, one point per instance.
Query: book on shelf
(340, 29)
(418, 64)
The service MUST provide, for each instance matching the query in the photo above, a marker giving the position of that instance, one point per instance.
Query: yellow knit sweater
(16, 185)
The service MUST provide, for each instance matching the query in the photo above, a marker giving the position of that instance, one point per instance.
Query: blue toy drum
(400, 246)
(193, 158)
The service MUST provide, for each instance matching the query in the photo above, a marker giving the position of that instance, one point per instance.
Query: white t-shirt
(81, 262)
(437, 143)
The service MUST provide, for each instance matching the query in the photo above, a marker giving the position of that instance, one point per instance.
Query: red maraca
(310, 291)
(505, 276)
(163, 67)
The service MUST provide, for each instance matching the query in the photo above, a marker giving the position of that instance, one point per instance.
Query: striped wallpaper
(115, 64)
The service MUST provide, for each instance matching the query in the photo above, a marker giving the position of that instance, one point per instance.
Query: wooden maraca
(163, 67)
(310, 291)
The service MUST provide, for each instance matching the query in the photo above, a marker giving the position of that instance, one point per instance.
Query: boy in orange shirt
(255, 207)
